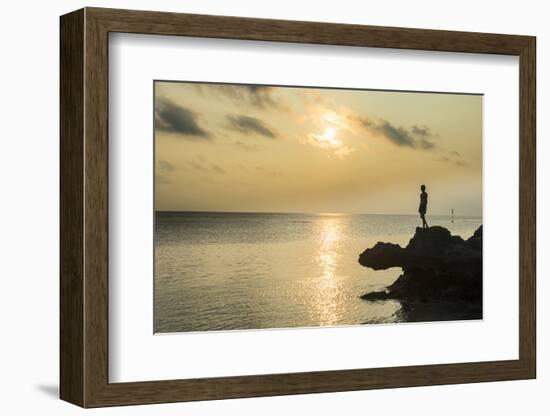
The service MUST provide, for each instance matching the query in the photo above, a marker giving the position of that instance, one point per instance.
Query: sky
(254, 148)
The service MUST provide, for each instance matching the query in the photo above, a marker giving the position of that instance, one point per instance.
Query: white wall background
(29, 206)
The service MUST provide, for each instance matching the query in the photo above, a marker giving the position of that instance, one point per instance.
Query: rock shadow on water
(441, 279)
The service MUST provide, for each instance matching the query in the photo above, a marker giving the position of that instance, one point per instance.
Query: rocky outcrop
(437, 266)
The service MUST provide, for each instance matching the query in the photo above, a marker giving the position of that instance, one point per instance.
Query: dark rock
(382, 256)
(475, 241)
(382, 295)
(439, 311)
(436, 266)
(479, 232)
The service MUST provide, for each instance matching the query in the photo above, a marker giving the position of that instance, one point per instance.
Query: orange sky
(222, 147)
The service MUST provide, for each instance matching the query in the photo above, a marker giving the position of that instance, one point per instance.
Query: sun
(327, 139)
(330, 136)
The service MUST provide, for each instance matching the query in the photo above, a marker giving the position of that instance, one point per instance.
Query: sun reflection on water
(327, 302)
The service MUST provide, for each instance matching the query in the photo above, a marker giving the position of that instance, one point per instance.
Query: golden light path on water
(328, 301)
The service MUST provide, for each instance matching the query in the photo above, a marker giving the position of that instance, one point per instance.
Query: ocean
(239, 271)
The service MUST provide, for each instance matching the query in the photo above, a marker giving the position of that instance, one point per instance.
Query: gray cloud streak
(249, 125)
(259, 96)
(418, 137)
(173, 118)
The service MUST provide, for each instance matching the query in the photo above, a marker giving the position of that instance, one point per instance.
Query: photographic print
(293, 207)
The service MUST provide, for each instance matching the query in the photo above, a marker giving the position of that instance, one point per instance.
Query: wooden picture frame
(84, 207)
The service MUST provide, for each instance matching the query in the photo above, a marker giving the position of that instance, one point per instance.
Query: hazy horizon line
(312, 213)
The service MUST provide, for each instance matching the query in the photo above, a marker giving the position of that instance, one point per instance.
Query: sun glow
(330, 137)
(329, 141)
(329, 134)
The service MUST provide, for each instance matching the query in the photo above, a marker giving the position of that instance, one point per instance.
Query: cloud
(454, 159)
(164, 172)
(396, 135)
(324, 142)
(418, 137)
(259, 96)
(422, 131)
(173, 118)
(424, 135)
(249, 125)
(200, 165)
(216, 168)
(329, 141)
(165, 166)
(246, 147)
(461, 163)
(343, 152)
(425, 144)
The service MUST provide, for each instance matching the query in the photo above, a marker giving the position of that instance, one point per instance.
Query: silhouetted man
(423, 206)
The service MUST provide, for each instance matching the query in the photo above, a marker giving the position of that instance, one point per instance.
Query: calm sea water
(227, 271)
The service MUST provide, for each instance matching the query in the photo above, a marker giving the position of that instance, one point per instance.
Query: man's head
(422, 188)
